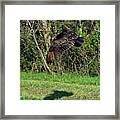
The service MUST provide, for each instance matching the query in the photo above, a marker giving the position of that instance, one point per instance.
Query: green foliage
(39, 86)
(84, 60)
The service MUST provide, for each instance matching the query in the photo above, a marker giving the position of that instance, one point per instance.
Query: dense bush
(84, 60)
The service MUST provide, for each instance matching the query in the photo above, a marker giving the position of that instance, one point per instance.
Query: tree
(38, 38)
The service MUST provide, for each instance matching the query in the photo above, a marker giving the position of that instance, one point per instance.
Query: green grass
(69, 86)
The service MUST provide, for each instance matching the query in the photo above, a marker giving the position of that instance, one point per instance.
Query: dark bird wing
(78, 42)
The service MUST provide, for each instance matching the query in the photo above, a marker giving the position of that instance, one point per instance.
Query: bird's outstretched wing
(63, 41)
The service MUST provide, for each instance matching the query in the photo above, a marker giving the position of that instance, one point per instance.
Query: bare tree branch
(42, 56)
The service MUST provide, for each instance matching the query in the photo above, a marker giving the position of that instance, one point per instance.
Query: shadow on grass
(58, 95)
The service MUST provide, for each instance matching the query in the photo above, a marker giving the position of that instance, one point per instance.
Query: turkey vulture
(63, 41)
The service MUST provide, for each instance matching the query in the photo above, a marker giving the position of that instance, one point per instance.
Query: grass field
(43, 86)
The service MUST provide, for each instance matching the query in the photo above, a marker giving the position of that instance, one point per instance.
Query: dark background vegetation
(84, 60)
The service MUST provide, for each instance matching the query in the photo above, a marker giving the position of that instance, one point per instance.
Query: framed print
(60, 59)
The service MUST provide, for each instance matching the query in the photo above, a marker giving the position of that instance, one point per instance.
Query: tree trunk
(40, 51)
(46, 28)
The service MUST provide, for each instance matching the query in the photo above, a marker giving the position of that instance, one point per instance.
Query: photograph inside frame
(60, 59)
